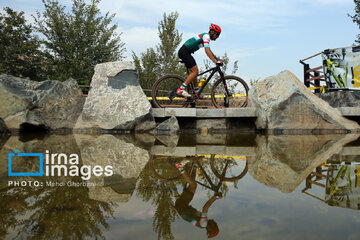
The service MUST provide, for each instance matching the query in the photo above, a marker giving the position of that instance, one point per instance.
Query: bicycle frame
(212, 186)
(213, 71)
(330, 70)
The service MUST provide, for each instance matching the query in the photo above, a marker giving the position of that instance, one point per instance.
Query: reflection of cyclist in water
(190, 214)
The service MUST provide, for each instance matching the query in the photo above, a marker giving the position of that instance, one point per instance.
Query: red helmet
(212, 229)
(216, 28)
(213, 233)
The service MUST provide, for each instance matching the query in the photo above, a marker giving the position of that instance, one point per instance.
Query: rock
(146, 123)
(284, 162)
(341, 98)
(284, 103)
(116, 100)
(168, 127)
(51, 104)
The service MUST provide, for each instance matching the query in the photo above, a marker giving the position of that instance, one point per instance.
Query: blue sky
(265, 36)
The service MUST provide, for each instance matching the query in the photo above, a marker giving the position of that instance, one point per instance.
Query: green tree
(356, 18)
(20, 53)
(154, 63)
(76, 41)
(148, 69)
(161, 196)
(170, 39)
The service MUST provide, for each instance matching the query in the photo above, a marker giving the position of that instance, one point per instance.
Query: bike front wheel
(237, 89)
(164, 92)
(229, 168)
(163, 168)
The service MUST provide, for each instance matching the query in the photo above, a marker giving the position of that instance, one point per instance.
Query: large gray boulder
(116, 100)
(168, 127)
(51, 104)
(284, 103)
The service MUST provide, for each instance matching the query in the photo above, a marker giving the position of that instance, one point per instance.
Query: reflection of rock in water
(54, 143)
(115, 189)
(168, 140)
(3, 164)
(285, 161)
(3, 140)
(126, 159)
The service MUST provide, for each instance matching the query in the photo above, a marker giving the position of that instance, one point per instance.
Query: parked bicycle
(227, 92)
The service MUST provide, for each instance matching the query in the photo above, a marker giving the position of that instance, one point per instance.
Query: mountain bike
(227, 92)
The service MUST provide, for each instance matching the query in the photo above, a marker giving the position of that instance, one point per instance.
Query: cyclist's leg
(190, 63)
(190, 178)
(192, 77)
(194, 71)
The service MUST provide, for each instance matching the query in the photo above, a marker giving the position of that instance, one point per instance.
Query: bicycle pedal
(172, 94)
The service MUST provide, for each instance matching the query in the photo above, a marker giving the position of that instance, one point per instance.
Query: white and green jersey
(195, 43)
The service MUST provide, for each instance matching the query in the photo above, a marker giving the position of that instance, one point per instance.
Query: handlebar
(220, 62)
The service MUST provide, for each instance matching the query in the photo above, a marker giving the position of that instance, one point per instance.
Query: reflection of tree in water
(165, 213)
(163, 195)
(52, 213)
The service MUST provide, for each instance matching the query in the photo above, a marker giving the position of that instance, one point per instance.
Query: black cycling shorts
(185, 55)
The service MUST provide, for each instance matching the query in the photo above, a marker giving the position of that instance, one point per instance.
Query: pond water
(127, 186)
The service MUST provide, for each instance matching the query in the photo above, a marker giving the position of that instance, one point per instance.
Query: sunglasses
(217, 34)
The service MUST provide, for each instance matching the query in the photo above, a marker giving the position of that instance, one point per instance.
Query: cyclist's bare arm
(211, 55)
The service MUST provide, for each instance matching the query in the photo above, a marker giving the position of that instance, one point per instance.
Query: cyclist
(189, 213)
(191, 46)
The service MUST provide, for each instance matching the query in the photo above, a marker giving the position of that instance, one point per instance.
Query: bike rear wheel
(237, 88)
(164, 92)
(228, 168)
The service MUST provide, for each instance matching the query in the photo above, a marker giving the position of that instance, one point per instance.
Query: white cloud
(242, 14)
(138, 39)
